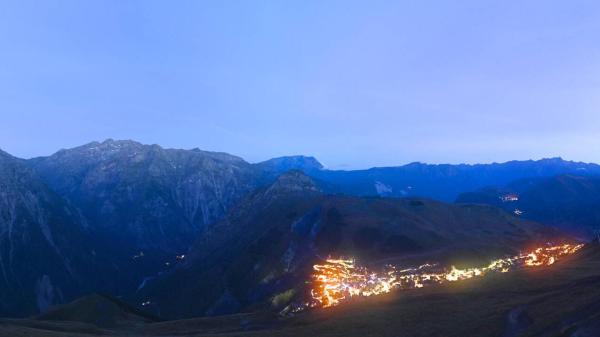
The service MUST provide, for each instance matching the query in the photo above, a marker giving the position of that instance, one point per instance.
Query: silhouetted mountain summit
(157, 198)
(282, 164)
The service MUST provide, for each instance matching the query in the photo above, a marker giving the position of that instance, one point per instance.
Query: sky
(354, 83)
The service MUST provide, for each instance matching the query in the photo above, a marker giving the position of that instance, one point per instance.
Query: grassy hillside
(259, 256)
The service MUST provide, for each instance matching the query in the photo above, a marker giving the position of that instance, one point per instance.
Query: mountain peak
(107, 146)
(110, 141)
(12, 164)
(287, 163)
(293, 182)
(553, 160)
(5, 155)
(117, 144)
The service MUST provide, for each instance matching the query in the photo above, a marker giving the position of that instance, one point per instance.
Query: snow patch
(383, 189)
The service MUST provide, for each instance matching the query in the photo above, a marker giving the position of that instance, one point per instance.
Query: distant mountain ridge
(567, 201)
(134, 192)
(439, 181)
(444, 181)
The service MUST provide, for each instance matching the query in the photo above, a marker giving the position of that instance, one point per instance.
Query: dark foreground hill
(560, 300)
(103, 311)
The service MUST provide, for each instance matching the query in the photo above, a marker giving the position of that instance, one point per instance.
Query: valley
(197, 238)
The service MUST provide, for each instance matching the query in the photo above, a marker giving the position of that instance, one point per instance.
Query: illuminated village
(338, 280)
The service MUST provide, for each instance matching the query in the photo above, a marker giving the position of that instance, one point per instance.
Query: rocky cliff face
(152, 197)
(44, 258)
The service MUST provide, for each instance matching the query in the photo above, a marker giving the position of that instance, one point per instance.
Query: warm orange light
(338, 280)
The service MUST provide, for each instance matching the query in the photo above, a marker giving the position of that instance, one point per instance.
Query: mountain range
(445, 181)
(191, 232)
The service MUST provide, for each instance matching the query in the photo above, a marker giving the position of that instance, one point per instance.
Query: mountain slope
(153, 197)
(44, 255)
(567, 201)
(260, 254)
(156, 198)
(145, 205)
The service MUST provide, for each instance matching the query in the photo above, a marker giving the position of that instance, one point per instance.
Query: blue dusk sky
(354, 83)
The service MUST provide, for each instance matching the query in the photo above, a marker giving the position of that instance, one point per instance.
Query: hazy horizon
(325, 164)
(354, 86)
